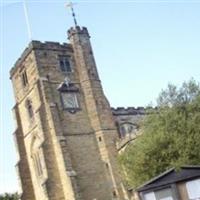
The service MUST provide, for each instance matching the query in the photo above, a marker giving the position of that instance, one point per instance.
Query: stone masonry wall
(77, 150)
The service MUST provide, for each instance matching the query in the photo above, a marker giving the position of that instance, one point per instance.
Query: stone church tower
(66, 132)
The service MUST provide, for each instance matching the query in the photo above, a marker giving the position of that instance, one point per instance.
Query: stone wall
(76, 150)
(128, 121)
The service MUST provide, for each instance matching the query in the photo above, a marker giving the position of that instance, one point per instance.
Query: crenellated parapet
(38, 45)
(77, 30)
(132, 110)
(129, 111)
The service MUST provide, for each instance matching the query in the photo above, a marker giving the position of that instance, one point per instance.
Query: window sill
(72, 110)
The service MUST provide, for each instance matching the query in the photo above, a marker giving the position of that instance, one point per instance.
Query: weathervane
(70, 5)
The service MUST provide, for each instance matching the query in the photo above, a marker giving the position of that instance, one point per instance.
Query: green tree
(8, 196)
(170, 135)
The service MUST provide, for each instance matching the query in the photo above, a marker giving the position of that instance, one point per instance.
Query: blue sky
(139, 46)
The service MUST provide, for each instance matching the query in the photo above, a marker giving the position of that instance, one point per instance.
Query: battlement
(49, 45)
(132, 110)
(77, 30)
(35, 44)
(128, 111)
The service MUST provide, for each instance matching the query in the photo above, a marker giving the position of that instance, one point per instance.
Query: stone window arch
(127, 129)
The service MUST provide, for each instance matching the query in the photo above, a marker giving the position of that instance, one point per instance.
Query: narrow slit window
(107, 165)
(29, 108)
(114, 194)
(24, 78)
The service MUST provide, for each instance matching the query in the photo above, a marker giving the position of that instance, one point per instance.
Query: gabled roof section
(172, 176)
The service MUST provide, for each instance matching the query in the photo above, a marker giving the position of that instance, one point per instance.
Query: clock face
(70, 100)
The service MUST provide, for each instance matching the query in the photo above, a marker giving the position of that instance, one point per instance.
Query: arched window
(127, 129)
(29, 108)
(65, 64)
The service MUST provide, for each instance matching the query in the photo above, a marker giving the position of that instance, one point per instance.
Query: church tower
(65, 128)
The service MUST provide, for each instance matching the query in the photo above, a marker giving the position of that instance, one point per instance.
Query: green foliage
(7, 196)
(170, 135)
